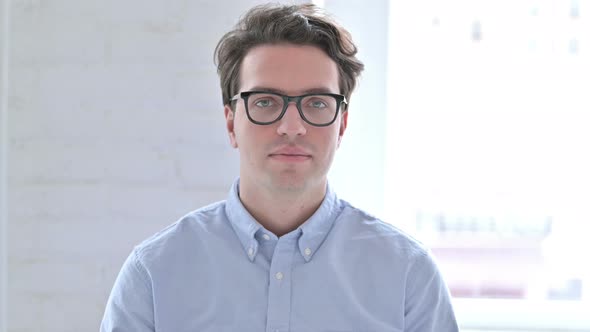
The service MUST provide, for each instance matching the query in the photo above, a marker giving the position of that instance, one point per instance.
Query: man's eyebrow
(313, 90)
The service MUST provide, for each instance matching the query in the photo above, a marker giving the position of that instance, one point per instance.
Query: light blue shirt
(217, 269)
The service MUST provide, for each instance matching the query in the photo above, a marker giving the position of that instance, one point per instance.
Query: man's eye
(264, 103)
(318, 104)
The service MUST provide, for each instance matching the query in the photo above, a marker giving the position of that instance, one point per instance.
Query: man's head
(286, 73)
(293, 24)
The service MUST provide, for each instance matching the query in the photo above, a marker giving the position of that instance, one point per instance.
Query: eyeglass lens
(317, 109)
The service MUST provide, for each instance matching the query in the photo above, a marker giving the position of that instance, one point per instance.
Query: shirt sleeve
(428, 301)
(130, 305)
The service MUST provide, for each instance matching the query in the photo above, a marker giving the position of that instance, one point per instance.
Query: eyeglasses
(317, 109)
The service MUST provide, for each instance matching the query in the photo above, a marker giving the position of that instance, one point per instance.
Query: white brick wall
(115, 129)
(4, 41)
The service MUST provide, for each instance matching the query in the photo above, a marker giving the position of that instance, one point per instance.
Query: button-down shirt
(217, 269)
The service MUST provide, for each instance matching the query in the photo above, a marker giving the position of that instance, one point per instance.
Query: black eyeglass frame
(287, 100)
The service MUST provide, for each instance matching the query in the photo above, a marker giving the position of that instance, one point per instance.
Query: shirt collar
(311, 233)
(244, 225)
(316, 228)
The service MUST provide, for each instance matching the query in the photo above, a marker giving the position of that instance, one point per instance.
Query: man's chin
(293, 182)
(290, 185)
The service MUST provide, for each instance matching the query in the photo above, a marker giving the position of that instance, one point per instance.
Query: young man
(282, 253)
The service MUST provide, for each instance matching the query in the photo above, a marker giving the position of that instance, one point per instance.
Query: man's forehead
(284, 92)
(286, 68)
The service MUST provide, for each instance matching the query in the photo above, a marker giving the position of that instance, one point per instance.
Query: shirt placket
(279, 288)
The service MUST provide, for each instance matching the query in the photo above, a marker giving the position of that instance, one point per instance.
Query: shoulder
(366, 230)
(184, 234)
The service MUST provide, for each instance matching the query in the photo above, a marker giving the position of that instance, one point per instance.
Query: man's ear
(343, 124)
(229, 125)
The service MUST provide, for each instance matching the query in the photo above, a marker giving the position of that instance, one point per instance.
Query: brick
(115, 130)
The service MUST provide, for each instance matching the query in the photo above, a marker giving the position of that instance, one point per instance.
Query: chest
(283, 294)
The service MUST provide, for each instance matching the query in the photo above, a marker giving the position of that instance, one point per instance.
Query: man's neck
(280, 211)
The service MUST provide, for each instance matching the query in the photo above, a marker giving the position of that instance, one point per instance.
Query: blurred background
(469, 130)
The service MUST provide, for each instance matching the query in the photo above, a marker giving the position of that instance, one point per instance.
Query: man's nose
(291, 124)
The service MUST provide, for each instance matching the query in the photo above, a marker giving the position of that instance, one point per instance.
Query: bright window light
(489, 154)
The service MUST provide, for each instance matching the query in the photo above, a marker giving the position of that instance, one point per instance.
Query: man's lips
(290, 154)
(290, 157)
(291, 151)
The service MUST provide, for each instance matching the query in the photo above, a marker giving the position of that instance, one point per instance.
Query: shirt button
(307, 251)
(279, 275)
(266, 237)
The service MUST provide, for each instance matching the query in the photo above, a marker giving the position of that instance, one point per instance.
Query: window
(488, 154)
(482, 108)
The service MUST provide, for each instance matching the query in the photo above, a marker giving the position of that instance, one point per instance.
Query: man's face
(289, 154)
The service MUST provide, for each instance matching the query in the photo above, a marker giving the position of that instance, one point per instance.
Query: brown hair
(304, 24)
